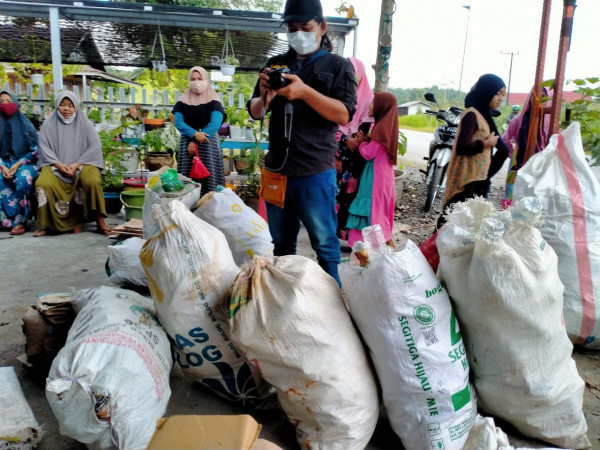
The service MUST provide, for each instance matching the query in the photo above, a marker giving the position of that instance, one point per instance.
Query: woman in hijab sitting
(69, 189)
(473, 162)
(18, 158)
(198, 117)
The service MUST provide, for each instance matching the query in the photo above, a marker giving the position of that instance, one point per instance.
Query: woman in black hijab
(473, 162)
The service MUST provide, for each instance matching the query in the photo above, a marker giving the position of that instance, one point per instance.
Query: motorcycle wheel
(433, 187)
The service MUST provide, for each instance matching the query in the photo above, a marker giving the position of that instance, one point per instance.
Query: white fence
(111, 99)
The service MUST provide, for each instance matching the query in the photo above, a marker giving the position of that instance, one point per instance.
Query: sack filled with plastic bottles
(502, 278)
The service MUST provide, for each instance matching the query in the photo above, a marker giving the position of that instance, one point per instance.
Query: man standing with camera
(309, 92)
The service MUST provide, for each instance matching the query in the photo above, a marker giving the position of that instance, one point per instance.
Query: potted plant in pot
(228, 64)
(160, 145)
(114, 171)
(254, 159)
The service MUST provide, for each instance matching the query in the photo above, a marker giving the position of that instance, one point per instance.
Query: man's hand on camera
(266, 93)
(295, 90)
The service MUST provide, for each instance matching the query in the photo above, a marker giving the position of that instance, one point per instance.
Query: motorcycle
(440, 149)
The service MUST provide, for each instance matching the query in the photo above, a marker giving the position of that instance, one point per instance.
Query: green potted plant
(253, 159)
(228, 65)
(114, 171)
(159, 148)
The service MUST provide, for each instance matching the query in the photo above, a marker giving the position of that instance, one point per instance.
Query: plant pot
(227, 69)
(155, 161)
(227, 165)
(235, 132)
(248, 134)
(153, 124)
(112, 202)
(134, 202)
(399, 186)
(37, 78)
(134, 183)
(131, 160)
(241, 166)
(159, 66)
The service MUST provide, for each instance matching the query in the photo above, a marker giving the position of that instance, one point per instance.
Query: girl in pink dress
(374, 203)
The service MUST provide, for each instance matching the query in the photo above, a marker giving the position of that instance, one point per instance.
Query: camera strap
(289, 110)
(287, 129)
(310, 61)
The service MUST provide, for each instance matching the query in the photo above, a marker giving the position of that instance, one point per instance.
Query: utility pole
(384, 46)
(511, 53)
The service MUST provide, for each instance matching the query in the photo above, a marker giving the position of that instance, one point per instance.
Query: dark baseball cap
(302, 10)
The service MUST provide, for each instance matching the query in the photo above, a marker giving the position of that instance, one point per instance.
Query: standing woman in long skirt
(198, 117)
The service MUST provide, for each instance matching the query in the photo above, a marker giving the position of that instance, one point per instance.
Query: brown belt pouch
(272, 187)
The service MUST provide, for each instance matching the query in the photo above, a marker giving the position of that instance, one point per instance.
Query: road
(418, 148)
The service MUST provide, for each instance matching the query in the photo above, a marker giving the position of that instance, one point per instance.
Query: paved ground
(31, 266)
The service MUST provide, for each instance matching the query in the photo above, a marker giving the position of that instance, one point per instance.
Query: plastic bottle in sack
(359, 254)
(492, 229)
(463, 217)
(528, 210)
(373, 236)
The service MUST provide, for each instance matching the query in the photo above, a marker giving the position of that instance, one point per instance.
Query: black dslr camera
(276, 81)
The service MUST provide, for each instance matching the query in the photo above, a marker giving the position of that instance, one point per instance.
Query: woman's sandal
(40, 233)
(18, 230)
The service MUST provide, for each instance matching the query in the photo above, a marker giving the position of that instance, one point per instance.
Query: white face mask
(198, 87)
(303, 42)
(66, 121)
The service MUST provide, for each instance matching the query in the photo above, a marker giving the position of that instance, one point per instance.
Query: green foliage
(254, 157)
(112, 153)
(586, 111)
(152, 140)
(170, 138)
(27, 108)
(422, 122)
(3, 75)
(95, 116)
(445, 96)
(237, 116)
(402, 143)
(231, 61)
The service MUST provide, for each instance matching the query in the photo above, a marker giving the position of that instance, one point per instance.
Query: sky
(428, 40)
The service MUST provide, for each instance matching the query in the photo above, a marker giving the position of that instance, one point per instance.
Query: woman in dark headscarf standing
(198, 117)
(473, 162)
(69, 189)
(18, 158)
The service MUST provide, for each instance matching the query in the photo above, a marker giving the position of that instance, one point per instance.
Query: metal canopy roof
(153, 14)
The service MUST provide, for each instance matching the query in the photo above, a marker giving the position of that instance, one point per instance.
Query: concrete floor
(69, 263)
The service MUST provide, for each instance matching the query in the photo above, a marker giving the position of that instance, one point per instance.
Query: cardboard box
(205, 432)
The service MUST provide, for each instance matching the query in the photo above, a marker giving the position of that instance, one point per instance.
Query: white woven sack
(124, 263)
(246, 232)
(190, 271)
(289, 318)
(18, 428)
(188, 196)
(405, 317)
(116, 358)
(508, 299)
(562, 180)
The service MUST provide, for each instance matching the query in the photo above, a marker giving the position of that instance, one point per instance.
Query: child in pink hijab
(349, 162)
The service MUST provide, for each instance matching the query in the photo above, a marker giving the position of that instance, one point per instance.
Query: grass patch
(418, 122)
